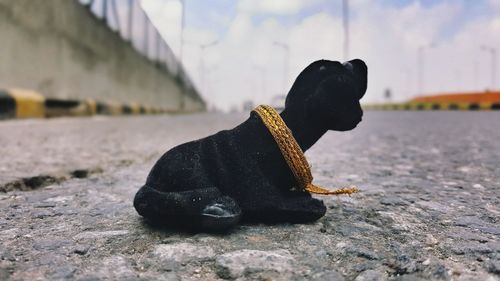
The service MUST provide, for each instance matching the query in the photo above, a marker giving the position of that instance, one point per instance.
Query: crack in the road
(40, 181)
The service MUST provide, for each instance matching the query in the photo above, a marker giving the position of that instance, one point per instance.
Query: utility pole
(146, 35)
(130, 18)
(105, 11)
(345, 14)
(115, 15)
(493, 53)
(181, 54)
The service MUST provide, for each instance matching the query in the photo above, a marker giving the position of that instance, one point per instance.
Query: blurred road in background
(428, 206)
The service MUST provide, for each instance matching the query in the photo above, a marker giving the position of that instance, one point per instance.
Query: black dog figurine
(212, 183)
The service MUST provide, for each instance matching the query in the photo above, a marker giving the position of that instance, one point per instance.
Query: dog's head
(331, 92)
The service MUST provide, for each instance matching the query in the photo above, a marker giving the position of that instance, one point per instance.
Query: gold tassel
(323, 191)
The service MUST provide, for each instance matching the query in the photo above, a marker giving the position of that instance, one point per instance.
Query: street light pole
(286, 73)
(105, 11)
(203, 47)
(493, 53)
(146, 35)
(116, 16)
(182, 102)
(130, 19)
(183, 25)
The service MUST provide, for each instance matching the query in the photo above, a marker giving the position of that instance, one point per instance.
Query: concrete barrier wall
(63, 51)
(451, 101)
(486, 106)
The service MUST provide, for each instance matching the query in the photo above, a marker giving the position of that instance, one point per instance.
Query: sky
(233, 49)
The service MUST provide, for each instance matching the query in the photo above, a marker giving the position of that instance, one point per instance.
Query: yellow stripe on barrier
(463, 106)
(91, 106)
(136, 108)
(411, 106)
(29, 104)
(485, 105)
(406, 106)
(115, 108)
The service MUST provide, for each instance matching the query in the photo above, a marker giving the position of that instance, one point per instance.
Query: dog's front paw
(222, 214)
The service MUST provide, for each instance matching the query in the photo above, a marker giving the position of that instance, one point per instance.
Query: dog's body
(209, 184)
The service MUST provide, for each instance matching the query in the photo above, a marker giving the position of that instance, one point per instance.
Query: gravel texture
(428, 207)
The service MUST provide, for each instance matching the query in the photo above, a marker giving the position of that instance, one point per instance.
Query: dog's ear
(360, 71)
(307, 81)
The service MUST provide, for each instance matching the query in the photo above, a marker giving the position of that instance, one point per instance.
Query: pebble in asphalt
(428, 207)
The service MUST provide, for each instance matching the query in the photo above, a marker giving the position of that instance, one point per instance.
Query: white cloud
(275, 7)
(234, 66)
(386, 37)
(319, 36)
(166, 15)
(471, 66)
(494, 3)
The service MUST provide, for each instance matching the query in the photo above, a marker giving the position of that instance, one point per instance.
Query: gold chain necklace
(292, 152)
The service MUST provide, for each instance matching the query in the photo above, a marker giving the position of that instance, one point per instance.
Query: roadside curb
(421, 106)
(20, 104)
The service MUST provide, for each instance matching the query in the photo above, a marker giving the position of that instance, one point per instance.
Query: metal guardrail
(130, 21)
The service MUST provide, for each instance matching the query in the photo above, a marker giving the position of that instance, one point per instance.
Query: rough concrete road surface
(429, 205)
